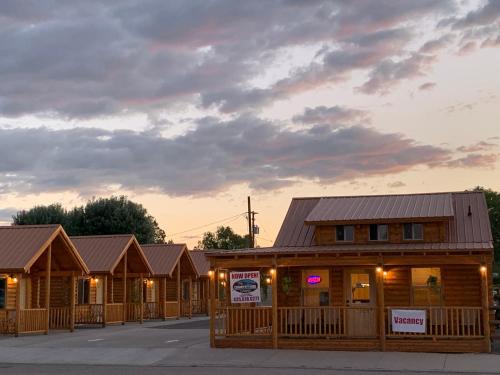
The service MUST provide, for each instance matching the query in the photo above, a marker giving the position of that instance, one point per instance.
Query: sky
(188, 106)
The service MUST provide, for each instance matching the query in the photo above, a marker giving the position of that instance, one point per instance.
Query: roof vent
(470, 212)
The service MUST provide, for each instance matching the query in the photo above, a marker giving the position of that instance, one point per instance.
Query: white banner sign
(245, 286)
(409, 321)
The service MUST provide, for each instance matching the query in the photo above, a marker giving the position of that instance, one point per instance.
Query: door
(360, 302)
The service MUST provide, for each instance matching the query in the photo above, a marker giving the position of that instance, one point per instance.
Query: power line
(209, 224)
(201, 234)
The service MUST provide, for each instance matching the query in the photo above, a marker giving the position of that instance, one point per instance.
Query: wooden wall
(433, 232)
(172, 289)
(462, 285)
(397, 286)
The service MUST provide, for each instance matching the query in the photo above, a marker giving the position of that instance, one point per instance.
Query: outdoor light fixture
(95, 279)
(483, 268)
(151, 282)
(379, 269)
(268, 280)
(385, 273)
(223, 283)
(13, 278)
(222, 275)
(273, 271)
(210, 273)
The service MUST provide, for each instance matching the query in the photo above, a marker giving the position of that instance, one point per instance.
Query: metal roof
(200, 262)
(463, 228)
(163, 257)
(21, 245)
(102, 253)
(380, 207)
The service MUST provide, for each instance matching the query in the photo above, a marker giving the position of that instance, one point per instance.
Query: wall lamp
(211, 273)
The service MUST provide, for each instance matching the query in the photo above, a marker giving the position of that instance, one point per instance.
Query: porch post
(47, 287)
(190, 298)
(104, 299)
(72, 303)
(179, 301)
(211, 281)
(164, 297)
(124, 288)
(381, 307)
(206, 296)
(485, 272)
(18, 303)
(141, 318)
(274, 283)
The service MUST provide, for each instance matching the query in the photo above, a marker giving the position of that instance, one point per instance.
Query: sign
(313, 279)
(409, 321)
(245, 286)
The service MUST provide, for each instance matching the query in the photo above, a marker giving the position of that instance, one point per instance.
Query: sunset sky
(189, 106)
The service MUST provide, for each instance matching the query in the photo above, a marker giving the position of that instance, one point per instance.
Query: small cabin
(112, 291)
(405, 272)
(169, 289)
(200, 292)
(39, 267)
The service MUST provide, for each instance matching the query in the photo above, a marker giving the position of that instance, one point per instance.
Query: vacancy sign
(413, 321)
(245, 286)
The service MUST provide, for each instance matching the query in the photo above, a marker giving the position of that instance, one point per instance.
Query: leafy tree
(115, 215)
(223, 238)
(493, 202)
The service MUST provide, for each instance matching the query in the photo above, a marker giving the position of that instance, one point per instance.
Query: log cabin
(38, 270)
(390, 272)
(168, 291)
(112, 291)
(200, 292)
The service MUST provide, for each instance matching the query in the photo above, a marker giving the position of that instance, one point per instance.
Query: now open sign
(413, 321)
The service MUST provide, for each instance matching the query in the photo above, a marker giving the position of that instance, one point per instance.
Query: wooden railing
(7, 321)
(443, 322)
(33, 320)
(133, 311)
(199, 306)
(60, 317)
(88, 314)
(151, 310)
(327, 321)
(243, 321)
(171, 309)
(186, 308)
(114, 313)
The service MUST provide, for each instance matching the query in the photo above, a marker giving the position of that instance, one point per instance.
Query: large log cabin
(390, 272)
(38, 270)
(112, 291)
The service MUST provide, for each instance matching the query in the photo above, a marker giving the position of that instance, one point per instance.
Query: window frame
(413, 238)
(84, 297)
(378, 233)
(426, 287)
(337, 227)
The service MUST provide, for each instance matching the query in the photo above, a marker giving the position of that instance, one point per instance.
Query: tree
(223, 238)
(115, 215)
(493, 203)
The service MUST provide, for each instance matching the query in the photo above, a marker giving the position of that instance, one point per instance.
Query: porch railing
(151, 310)
(7, 321)
(443, 322)
(243, 321)
(133, 311)
(171, 309)
(32, 320)
(186, 308)
(60, 317)
(114, 313)
(199, 306)
(88, 314)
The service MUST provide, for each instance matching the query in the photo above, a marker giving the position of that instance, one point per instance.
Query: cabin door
(361, 303)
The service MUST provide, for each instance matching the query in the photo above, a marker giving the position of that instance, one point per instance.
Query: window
(413, 231)
(379, 232)
(83, 291)
(360, 287)
(3, 293)
(345, 233)
(426, 286)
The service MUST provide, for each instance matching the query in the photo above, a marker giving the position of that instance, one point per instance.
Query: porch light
(483, 268)
(223, 283)
(13, 278)
(222, 275)
(210, 273)
(95, 279)
(379, 269)
(385, 273)
(151, 282)
(268, 280)
(273, 271)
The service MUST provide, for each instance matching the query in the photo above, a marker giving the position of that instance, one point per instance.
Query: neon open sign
(313, 279)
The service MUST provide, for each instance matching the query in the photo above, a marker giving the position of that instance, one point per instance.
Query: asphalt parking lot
(182, 346)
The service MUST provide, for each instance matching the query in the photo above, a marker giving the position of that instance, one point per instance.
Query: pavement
(183, 345)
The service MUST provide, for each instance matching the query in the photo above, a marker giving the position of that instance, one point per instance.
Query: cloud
(480, 146)
(7, 213)
(208, 159)
(396, 184)
(474, 161)
(335, 116)
(427, 86)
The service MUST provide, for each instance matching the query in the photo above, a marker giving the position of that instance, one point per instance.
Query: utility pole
(250, 227)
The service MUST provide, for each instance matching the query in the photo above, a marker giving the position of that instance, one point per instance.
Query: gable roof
(380, 207)
(200, 261)
(103, 253)
(165, 257)
(22, 245)
(463, 228)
